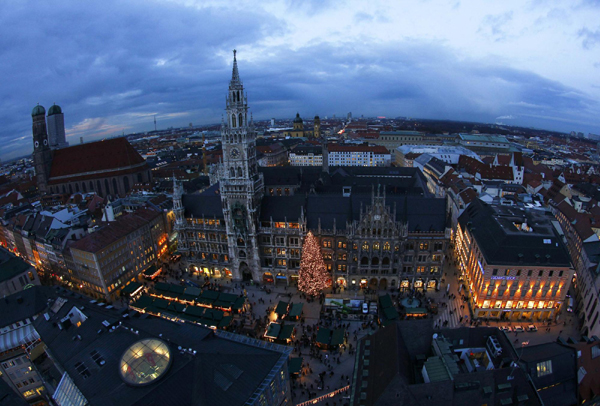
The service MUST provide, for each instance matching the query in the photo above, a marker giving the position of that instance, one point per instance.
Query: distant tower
(298, 123)
(155, 122)
(42, 155)
(204, 160)
(317, 129)
(56, 128)
(272, 122)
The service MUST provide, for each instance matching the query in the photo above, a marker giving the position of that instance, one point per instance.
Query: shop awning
(143, 302)
(295, 365)
(18, 337)
(416, 310)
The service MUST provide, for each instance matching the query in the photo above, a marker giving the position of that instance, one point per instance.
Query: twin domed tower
(46, 137)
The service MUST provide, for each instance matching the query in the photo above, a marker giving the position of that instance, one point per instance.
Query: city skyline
(113, 68)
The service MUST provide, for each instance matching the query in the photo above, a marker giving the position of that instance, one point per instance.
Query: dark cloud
(112, 66)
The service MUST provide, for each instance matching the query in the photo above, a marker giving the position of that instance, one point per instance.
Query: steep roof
(100, 156)
(112, 232)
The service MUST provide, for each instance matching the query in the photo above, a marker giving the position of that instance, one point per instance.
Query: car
(531, 327)
(506, 329)
(365, 308)
(519, 329)
(373, 308)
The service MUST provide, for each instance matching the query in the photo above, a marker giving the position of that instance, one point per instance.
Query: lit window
(544, 368)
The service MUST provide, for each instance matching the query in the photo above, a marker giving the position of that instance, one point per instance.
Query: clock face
(235, 153)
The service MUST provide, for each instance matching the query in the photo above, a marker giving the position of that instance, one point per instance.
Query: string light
(312, 276)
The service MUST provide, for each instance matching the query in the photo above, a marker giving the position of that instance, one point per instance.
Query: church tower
(42, 155)
(241, 185)
(317, 129)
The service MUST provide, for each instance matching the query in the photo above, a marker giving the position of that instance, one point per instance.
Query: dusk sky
(113, 65)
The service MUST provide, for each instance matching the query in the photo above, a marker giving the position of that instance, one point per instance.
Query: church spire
(235, 76)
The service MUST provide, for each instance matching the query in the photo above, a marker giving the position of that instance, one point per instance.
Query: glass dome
(145, 361)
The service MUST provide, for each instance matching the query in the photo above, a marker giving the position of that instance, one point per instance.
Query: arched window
(99, 187)
(375, 261)
(385, 261)
(233, 125)
(386, 246)
(64, 190)
(364, 261)
(240, 118)
(365, 246)
(139, 177)
(70, 188)
(83, 187)
(239, 173)
(126, 183)
(240, 242)
(376, 246)
(77, 187)
(242, 254)
(115, 188)
(231, 173)
(91, 186)
(106, 188)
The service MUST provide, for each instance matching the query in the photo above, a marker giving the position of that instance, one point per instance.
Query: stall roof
(131, 287)
(143, 302)
(295, 365)
(337, 337)
(286, 332)
(416, 310)
(273, 330)
(323, 335)
(385, 301)
(390, 313)
(296, 310)
(282, 308)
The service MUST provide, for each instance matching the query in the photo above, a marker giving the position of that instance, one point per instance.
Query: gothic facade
(377, 227)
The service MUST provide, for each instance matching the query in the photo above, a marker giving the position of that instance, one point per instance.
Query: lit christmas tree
(313, 276)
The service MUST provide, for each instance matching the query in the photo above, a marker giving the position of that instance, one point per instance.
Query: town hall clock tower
(241, 185)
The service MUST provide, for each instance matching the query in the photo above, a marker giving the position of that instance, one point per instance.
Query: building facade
(106, 260)
(306, 155)
(514, 264)
(358, 155)
(56, 128)
(377, 228)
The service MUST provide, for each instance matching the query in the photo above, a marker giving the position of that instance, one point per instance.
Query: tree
(312, 276)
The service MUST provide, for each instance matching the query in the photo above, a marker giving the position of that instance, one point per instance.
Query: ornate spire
(235, 76)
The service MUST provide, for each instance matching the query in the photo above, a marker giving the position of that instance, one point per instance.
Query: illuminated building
(514, 264)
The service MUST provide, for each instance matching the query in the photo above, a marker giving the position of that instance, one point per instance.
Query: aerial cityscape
(400, 251)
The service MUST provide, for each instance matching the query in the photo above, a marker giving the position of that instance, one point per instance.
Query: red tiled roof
(107, 155)
(113, 232)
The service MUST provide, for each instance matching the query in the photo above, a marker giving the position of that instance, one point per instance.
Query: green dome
(37, 110)
(297, 119)
(317, 118)
(54, 110)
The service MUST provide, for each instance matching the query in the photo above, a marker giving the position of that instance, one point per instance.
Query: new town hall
(378, 227)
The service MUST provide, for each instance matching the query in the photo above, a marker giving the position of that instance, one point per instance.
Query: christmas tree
(313, 276)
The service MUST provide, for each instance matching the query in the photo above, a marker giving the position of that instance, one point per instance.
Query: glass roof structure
(145, 361)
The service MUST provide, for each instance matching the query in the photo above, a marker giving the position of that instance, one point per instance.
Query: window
(544, 368)
(498, 304)
(486, 304)
(550, 274)
(327, 243)
(434, 269)
(507, 272)
(386, 246)
(280, 251)
(560, 274)
(294, 241)
(365, 246)
(342, 244)
(408, 258)
(376, 246)
(518, 272)
(82, 369)
(424, 246)
(421, 269)
(281, 262)
(540, 274)
(529, 272)
(495, 272)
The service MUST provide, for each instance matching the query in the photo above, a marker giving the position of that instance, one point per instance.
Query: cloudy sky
(113, 65)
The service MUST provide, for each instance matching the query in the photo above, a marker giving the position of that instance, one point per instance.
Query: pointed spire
(235, 76)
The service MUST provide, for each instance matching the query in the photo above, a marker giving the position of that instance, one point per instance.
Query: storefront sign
(509, 278)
